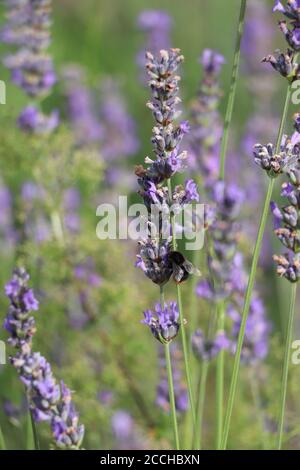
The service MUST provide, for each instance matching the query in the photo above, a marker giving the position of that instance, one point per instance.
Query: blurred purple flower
(47, 400)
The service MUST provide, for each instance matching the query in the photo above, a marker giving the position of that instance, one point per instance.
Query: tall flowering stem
(48, 401)
(170, 380)
(183, 332)
(224, 145)
(287, 230)
(287, 355)
(232, 93)
(2, 441)
(273, 162)
(28, 29)
(251, 281)
(159, 258)
(204, 149)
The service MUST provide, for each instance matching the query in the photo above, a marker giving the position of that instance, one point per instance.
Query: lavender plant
(48, 401)
(273, 161)
(156, 25)
(205, 120)
(28, 29)
(286, 221)
(216, 61)
(158, 256)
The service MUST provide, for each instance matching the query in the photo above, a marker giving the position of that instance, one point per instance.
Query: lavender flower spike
(163, 322)
(291, 10)
(156, 24)
(47, 400)
(28, 29)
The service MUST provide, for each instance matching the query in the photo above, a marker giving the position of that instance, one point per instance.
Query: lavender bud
(163, 322)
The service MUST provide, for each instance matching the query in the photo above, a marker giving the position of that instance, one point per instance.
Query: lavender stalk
(232, 93)
(224, 145)
(287, 355)
(2, 441)
(183, 332)
(273, 161)
(170, 380)
(159, 258)
(286, 221)
(48, 401)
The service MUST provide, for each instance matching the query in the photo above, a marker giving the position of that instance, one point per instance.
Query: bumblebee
(181, 267)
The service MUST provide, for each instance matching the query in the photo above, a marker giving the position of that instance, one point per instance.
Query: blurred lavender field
(73, 130)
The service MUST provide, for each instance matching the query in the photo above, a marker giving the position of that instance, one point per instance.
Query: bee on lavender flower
(181, 267)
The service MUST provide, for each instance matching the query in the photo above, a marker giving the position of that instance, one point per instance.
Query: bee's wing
(178, 273)
(190, 268)
(292, 161)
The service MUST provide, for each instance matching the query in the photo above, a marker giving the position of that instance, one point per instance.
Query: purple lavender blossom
(47, 400)
(207, 349)
(81, 108)
(7, 232)
(291, 10)
(37, 226)
(163, 322)
(154, 257)
(71, 204)
(119, 138)
(287, 225)
(255, 345)
(67, 431)
(122, 424)
(224, 266)
(206, 126)
(125, 432)
(284, 63)
(31, 120)
(275, 164)
(28, 29)
(156, 24)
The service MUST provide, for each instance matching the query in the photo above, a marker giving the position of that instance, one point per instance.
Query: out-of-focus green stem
(200, 405)
(171, 394)
(233, 86)
(170, 381)
(256, 254)
(2, 441)
(182, 321)
(32, 441)
(287, 355)
(223, 153)
(57, 228)
(220, 379)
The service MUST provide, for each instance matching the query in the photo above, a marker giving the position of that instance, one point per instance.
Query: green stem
(33, 431)
(200, 405)
(171, 394)
(287, 355)
(57, 228)
(182, 321)
(233, 87)
(29, 433)
(256, 253)
(170, 381)
(2, 441)
(220, 379)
